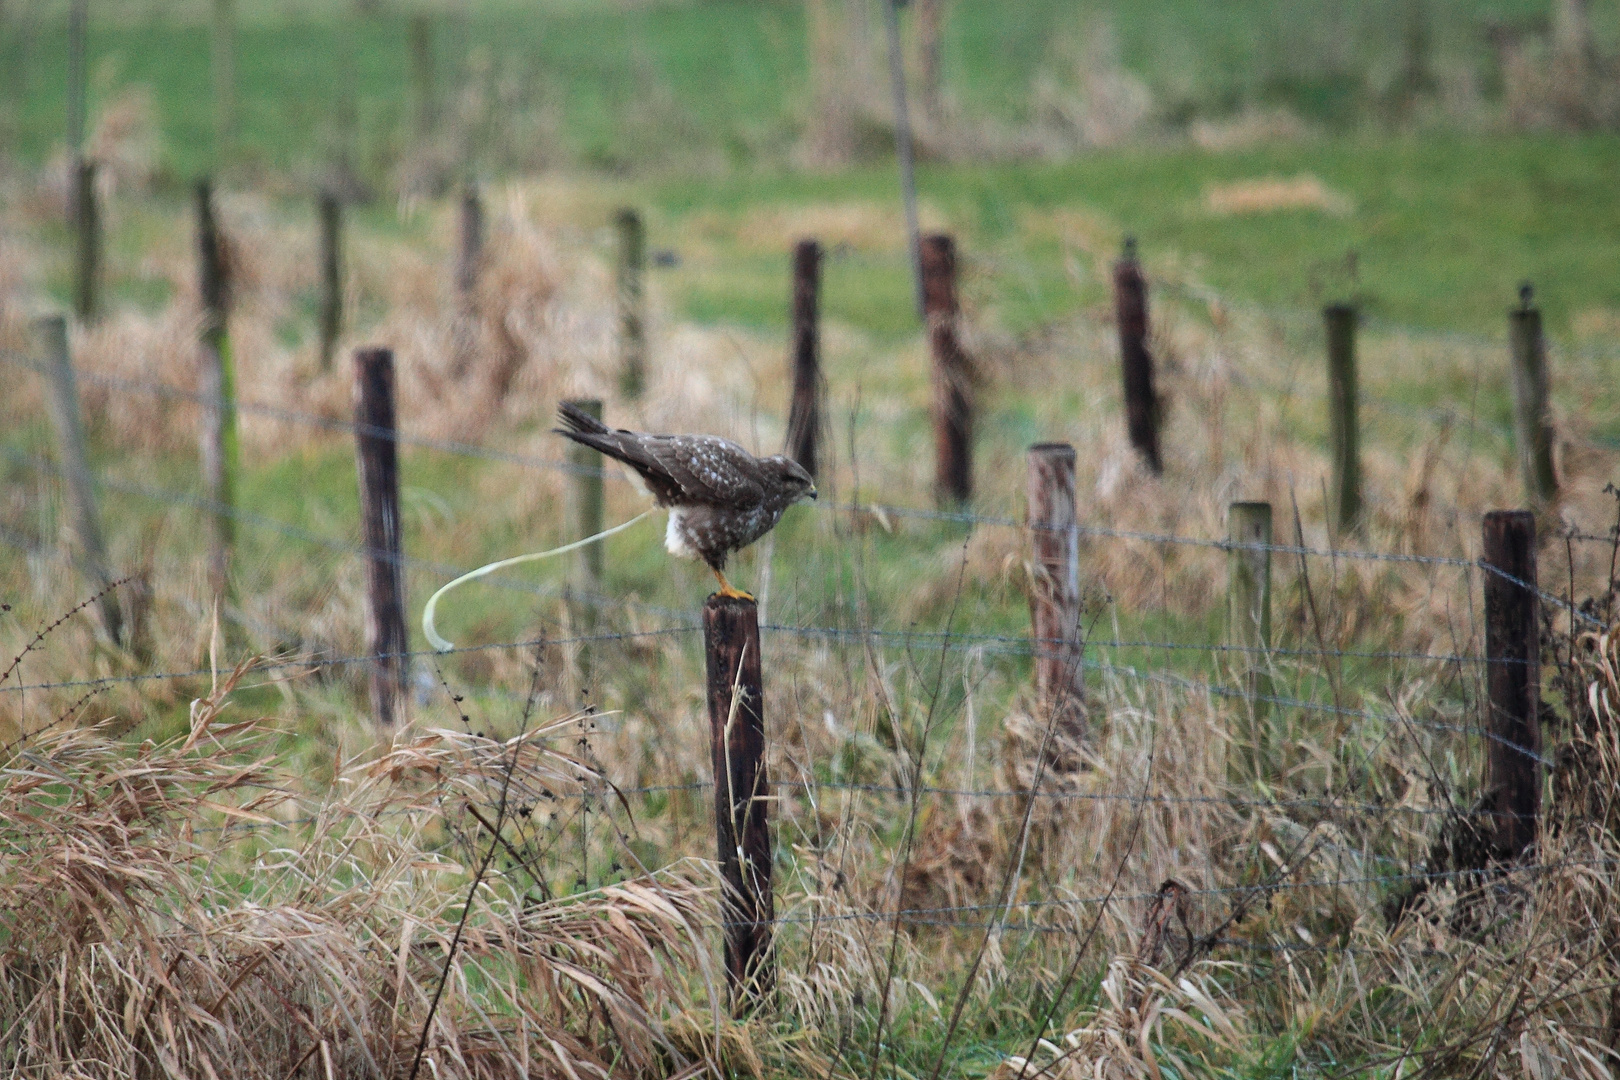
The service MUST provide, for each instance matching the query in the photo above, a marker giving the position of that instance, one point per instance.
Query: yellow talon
(727, 591)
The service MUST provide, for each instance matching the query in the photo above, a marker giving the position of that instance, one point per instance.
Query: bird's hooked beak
(812, 492)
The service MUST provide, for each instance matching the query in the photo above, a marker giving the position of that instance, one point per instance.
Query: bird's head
(791, 477)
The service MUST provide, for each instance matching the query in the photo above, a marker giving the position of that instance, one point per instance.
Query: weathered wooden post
(1248, 622)
(377, 456)
(804, 414)
(218, 391)
(1532, 426)
(1344, 494)
(741, 794)
(62, 397)
(585, 498)
(953, 374)
(1513, 680)
(1054, 594)
(1136, 362)
(470, 245)
(632, 260)
(87, 261)
(331, 255)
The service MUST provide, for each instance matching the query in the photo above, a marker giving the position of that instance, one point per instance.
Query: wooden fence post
(1054, 595)
(585, 514)
(1532, 426)
(1136, 363)
(1248, 621)
(632, 259)
(331, 255)
(1344, 505)
(1513, 679)
(218, 384)
(953, 374)
(470, 247)
(377, 455)
(741, 794)
(804, 414)
(87, 268)
(62, 395)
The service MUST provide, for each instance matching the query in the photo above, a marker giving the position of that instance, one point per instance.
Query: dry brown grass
(178, 909)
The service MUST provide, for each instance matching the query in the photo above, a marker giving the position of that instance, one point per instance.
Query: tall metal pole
(902, 141)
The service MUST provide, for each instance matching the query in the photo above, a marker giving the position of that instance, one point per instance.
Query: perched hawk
(720, 497)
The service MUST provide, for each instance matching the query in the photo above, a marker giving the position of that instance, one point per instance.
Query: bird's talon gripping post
(728, 592)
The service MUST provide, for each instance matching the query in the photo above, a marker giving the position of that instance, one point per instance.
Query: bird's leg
(727, 591)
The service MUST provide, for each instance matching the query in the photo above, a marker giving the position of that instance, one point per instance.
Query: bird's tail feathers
(578, 421)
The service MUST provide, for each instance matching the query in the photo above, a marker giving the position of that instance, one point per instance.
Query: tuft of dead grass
(175, 909)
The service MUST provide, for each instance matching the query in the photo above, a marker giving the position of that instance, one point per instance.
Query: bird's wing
(626, 446)
(707, 468)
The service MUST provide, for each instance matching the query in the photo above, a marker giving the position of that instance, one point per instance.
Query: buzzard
(720, 497)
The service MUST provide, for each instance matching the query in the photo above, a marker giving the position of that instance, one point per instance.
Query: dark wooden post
(87, 263)
(1513, 679)
(331, 255)
(1136, 363)
(741, 794)
(953, 374)
(1532, 426)
(217, 383)
(1054, 594)
(632, 259)
(1248, 623)
(1344, 495)
(804, 415)
(62, 398)
(378, 459)
(470, 249)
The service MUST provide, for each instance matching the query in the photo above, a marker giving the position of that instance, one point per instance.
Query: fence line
(1230, 890)
(1021, 642)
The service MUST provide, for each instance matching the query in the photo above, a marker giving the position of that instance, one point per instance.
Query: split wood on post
(1136, 362)
(1248, 622)
(632, 323)
(217, 385)
(953, 374)
(1513, 680)
(62, 396)
(378, 467)
(1054, 595)
(1532, 425)
(1344, 495)
(741, 794)
(87, 223)
(331, 255)
(804, 415)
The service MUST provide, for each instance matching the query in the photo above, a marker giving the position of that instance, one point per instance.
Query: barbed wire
(961, 517)
(907, 914)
